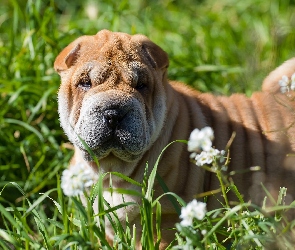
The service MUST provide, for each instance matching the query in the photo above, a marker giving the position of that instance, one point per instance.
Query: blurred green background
(222, 46)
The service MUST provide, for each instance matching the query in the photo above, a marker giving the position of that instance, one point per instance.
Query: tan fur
(163, 112)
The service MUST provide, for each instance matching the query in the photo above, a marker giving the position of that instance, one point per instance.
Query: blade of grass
(26, 126)
(152, 176)
(38, 201)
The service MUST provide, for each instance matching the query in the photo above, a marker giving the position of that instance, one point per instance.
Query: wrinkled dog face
(112, 94)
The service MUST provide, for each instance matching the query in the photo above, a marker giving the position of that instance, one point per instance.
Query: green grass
(221, 46)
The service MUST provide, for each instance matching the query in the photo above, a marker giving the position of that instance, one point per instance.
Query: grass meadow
(221, 46)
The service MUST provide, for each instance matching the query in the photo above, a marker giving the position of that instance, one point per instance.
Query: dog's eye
(140, 86)
(85, 84)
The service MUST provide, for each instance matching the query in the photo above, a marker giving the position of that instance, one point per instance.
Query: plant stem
(222, 185)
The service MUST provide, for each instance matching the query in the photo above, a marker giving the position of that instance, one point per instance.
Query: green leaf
(26, 126)
(9, 217)
(94, 158)
(229, 213)
(125, 191)
(38, 201)
(126, 204)
(56, 223)
(152, 176)
(9, 238)
(170, 197)
(126, 178)
(177, 198)
(80, 208)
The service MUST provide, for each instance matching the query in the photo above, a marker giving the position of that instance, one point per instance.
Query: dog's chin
(110, 155)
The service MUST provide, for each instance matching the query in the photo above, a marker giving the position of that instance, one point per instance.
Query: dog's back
(264, 127)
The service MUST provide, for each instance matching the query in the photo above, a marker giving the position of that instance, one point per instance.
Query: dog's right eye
(85, 84)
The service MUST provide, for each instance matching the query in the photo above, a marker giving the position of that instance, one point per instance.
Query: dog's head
(112, 94)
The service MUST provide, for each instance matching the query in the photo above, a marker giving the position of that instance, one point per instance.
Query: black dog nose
(112, 118)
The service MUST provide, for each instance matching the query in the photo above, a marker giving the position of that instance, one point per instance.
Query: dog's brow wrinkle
(96, 71)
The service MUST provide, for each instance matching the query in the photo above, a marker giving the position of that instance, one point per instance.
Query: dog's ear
(67, 57)
(157, 57)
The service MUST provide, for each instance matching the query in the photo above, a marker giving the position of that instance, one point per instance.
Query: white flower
(207, 157)
(292, 86)
(208, 132)
(284, 84)
(204, 231)
(76, 179)
(284, 89)
(206, 144)
(203, 158)
(200, 139)
(284, 81)
(200, 210)
(193, 155)
(214, 152)
(193, 210)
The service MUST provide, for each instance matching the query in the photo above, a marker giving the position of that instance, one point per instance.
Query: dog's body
(115, 95)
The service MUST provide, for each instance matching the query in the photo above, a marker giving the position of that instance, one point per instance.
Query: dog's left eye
(140, 86)
(85, 84)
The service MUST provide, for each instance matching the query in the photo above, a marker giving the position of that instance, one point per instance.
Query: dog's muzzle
(113, 118)
(108, 124)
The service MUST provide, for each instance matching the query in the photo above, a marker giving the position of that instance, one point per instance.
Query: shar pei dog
(115, 96)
